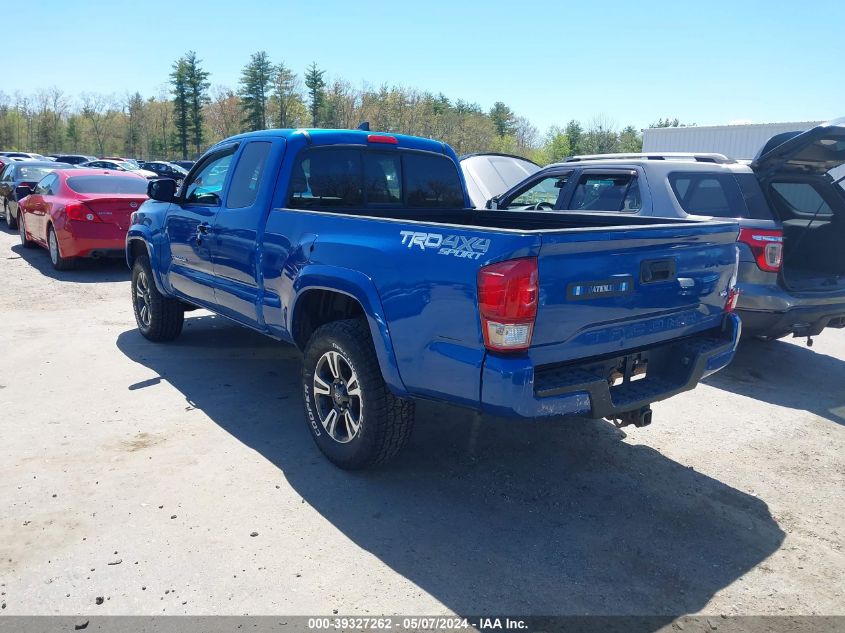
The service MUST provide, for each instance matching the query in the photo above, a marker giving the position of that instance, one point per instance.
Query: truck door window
(247, 175)
(546, 191)
(607, 192)
(206, 184)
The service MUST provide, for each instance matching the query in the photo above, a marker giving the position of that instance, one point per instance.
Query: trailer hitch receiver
(638, 417)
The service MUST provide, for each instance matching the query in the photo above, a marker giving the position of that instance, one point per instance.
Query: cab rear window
(723, 195)
(343, 177)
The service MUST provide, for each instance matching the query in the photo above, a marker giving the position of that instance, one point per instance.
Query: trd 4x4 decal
(456, 245)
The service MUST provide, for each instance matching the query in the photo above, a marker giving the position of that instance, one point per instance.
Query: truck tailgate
(606, 291)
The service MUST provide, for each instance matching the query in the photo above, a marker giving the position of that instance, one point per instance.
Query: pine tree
(316, 91)
(134, 123)
(286, 95)
(503, 119)
(198, 85)
(179, 83)
(575, 133)
(256, 80)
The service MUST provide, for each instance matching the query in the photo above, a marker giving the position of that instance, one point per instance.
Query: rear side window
(48, 186)
(108, 184)
(722, 195)
(247, 175)
(800, 197)
(350, 177)
(607, 192)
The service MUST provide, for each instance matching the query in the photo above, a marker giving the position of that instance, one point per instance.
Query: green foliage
(503, 119)
(256, 82)
(286, 98)
(316, 85)
(198, 86)
(189, 86)
(187, 114)
(181, 103)
(667, 122)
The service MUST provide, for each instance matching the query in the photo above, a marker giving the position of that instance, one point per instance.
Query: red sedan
(80, 213)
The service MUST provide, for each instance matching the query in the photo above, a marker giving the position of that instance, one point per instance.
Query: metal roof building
(735, 141)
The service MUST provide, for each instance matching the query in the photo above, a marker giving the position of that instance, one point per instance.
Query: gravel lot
(181, 478)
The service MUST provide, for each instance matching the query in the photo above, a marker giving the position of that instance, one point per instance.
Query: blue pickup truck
(362, 250)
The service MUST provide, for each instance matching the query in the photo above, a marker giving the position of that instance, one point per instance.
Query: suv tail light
(80, 212)
(507, 301)
(767, 247)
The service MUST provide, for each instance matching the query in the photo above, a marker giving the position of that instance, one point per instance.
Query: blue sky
(709, 62)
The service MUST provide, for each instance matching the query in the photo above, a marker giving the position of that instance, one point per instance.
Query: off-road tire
(165, 316)
(385, 421)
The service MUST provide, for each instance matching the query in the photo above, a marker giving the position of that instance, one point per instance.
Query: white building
(734, 141)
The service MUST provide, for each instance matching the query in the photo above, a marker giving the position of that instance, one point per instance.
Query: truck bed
(517, 220)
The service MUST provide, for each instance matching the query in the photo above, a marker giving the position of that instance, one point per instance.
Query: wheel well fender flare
(137, 241)
(361, 289)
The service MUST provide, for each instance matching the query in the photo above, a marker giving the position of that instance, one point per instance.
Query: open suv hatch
(789, 202)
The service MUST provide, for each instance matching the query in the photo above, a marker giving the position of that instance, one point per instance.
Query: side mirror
(493, 203)
(162, 189)
(22, 191)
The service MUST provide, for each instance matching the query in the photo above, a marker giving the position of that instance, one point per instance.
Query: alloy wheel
(142, 299)
(337, 394)
(53, 244)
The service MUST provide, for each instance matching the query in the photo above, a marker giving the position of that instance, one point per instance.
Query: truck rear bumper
(799, 321)
(513, 387)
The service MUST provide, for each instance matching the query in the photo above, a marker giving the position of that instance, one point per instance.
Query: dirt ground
(180, 478)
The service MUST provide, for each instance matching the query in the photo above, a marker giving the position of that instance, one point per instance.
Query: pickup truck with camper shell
(362, 249)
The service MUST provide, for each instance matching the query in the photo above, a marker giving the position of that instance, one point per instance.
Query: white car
(119, 165)
(491, 174)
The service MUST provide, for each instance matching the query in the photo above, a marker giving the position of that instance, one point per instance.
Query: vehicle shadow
(787, 375)
(86, 270)
(491, 515)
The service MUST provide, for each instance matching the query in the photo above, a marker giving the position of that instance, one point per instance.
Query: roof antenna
(364, 125)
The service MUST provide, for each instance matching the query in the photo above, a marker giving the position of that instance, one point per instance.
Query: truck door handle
(656, 270)
(202, 229)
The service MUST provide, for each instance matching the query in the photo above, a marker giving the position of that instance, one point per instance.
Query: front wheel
(354, 419)
(158, 317)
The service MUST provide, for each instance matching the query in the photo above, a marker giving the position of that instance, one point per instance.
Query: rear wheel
(59, 262)
(25, 241)
(354, 419)
(159, 318)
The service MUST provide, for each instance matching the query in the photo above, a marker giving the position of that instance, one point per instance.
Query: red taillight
(81, 213)
(766, 245)
(507, 301)
(382, 138)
